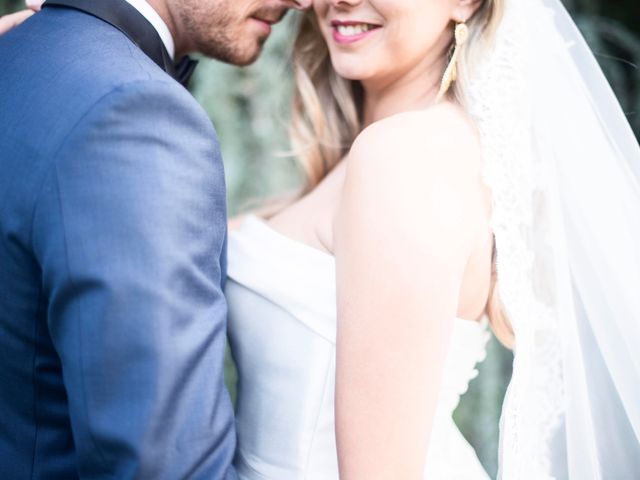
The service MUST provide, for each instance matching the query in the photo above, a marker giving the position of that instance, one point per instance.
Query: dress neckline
(254, 221)
(253, 224)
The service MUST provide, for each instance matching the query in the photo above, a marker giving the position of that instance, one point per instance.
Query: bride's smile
(347, 32)
(396, 49)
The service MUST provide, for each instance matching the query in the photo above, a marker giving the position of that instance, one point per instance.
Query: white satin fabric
(282, 328)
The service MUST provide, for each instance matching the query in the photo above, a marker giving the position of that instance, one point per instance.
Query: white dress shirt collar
(156, 20)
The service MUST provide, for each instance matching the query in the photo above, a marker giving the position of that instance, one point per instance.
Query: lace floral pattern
(500, 102)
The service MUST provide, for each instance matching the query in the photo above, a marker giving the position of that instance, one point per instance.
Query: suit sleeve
(130, 231)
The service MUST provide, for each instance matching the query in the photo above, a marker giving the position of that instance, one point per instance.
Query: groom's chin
(237, 55)
(246, 62)
(249, 56)
(241, 60)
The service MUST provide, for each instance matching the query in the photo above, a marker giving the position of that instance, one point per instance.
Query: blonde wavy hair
(327, 113)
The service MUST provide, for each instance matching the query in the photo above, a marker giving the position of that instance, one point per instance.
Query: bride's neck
(414, 90)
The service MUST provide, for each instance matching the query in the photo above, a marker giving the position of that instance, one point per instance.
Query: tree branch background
(249, 108)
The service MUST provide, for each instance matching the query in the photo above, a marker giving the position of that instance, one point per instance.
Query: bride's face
(382, 40)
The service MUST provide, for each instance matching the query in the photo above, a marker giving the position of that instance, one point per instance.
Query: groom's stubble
(222, 29)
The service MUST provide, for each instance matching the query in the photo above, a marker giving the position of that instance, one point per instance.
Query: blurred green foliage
(249, 108)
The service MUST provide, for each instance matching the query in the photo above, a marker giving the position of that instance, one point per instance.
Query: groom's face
(230, 30)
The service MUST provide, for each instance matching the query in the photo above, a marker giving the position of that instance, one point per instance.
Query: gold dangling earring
(451, 72)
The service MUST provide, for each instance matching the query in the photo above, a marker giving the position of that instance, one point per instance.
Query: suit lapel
(129, 21)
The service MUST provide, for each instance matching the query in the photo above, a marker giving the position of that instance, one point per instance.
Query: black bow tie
(183, 70)
(134, 25)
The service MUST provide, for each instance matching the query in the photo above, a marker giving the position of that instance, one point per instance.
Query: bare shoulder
(417, 152)
(413, 182)
(442, 137)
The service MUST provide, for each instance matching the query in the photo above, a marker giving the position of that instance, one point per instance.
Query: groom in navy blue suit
(112, 240)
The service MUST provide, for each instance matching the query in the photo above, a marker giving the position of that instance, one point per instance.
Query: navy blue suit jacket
(112, 260)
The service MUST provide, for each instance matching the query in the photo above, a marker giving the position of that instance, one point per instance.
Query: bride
(395, 228)
(466, 160)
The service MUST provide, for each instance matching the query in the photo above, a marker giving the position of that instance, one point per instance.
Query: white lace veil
(564, 169)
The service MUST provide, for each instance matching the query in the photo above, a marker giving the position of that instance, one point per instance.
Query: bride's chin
(354, 68)
(348, 72)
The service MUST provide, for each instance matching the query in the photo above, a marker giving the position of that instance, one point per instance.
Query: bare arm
(403, 235)
(8, 22)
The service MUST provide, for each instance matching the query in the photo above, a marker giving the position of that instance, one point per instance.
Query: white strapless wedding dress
(282, 329)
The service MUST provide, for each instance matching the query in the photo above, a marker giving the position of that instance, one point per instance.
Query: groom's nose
(299, 4)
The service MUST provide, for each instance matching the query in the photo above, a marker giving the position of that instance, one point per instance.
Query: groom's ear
(463, 10)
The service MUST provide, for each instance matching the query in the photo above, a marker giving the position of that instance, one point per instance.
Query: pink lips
(266, 26)
(347, 39)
